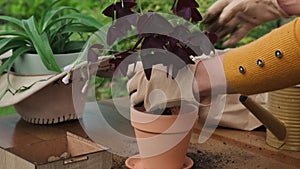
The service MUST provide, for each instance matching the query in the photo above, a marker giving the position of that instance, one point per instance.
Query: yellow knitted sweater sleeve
(269, 63)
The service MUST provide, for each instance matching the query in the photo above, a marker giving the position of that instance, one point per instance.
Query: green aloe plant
(60, 29)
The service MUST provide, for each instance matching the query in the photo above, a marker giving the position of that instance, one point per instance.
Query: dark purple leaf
(141, 22)
(113, 34)
(118, 30)
(92, 59)
(132, 58)
(124, 9)
(196, 16)
(187, 9)
(165, 58)
(189, 14)
(132, 19)
(153, 23)
(194, 51)
(212, 37)
(148, 60)
(121, 9)
(185, 4)
(183, 54)
(199, 39)
(92, 56)
(185, 13)
(109, 11)
(180, 33)
(148, 73)
(172, 44)
(178, 59)
(123, 25)
(157, 42)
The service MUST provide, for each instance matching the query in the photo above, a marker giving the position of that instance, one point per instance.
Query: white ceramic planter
(53, 103)
(31, 64)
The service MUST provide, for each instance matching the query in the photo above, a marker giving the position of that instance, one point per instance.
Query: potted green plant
(41, 47)
(59, 30)
(156, 39)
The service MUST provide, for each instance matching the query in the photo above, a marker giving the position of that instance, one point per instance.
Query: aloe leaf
(12, 33)
(54, 3)
(75, 28)
(12, 20)
(48, 8)
(4, 42)
(51, 14)
(65, 47)
(11, 43)
(74, 46)
(41, 44)
(12, 46)
(84, 19)
(11, 59)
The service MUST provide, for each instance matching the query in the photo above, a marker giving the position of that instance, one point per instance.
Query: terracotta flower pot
(163, 139)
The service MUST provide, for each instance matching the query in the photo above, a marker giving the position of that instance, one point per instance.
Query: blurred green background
(26, 8)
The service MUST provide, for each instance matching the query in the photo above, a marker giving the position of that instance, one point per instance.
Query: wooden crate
(84, 154)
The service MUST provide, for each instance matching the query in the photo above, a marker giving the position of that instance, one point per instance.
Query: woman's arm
(269, 63)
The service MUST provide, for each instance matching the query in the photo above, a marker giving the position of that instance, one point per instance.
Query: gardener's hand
(238, 17)
(161, 88)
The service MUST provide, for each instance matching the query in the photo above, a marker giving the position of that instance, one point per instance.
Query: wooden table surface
(238, 149)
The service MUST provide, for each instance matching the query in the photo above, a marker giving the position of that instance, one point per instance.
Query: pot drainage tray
(135, 162)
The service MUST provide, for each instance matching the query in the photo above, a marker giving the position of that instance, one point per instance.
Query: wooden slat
(2, 159)
(14, 162)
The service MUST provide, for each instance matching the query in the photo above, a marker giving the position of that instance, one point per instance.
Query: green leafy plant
(59, 29)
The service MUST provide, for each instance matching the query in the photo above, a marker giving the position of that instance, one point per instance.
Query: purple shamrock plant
(155, 31)
(151, 37)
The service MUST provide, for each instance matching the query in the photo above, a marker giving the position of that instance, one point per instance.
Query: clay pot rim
(167, 124)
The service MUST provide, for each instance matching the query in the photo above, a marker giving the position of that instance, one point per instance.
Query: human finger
(238, 35)
(228, 28)
(214, 11)
(231, 11)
